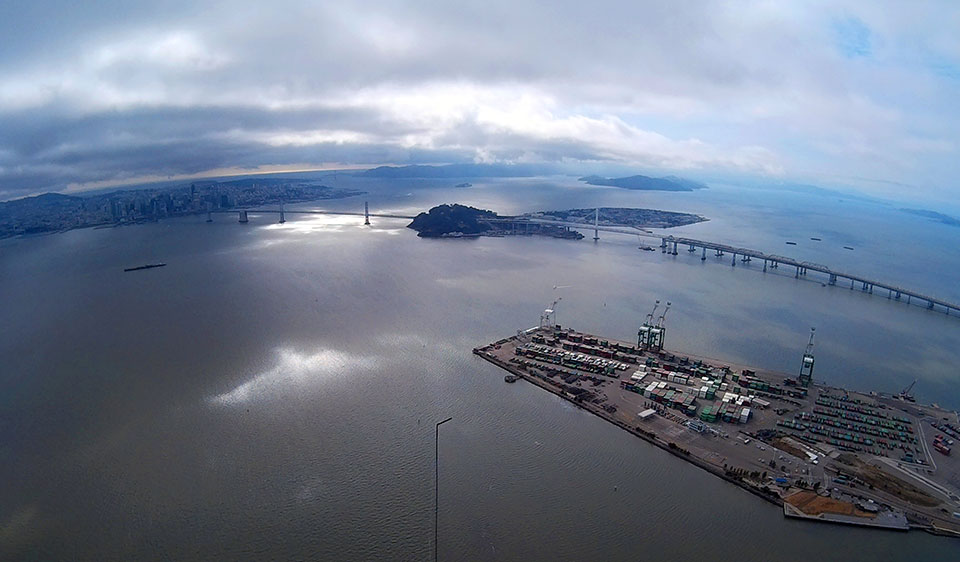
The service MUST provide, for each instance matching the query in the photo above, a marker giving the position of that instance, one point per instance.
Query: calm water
(271, 393)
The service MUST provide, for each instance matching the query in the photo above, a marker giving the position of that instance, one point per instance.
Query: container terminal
(820, 453)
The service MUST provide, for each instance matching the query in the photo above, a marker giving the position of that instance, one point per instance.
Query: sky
(858, 94)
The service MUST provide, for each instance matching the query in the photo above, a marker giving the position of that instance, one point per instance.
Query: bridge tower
(282, 219)
(366, 213)
(596, 224)
(806, 365)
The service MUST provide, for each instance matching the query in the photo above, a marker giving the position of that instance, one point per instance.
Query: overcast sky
(835, 93)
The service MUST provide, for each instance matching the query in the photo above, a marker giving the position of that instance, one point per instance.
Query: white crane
(549, 316)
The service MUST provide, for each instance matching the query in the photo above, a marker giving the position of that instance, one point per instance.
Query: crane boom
(663, 315)
(652, 312)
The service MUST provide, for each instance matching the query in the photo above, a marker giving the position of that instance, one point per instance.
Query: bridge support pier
(209, 216)
(663, 245)
(796, 275)
(930, 305)
(703, 256)
(674, 248)
(366, 213)
(833, 279)
(897, 295)
(243, 217)
(733, 261)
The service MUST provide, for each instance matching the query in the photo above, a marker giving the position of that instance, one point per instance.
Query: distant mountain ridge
(934, 215)
(458, 171)
(646, 183)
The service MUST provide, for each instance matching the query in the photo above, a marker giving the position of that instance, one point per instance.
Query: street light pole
(436, 487)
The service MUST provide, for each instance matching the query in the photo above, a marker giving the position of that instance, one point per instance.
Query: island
(623, 216)
(453, 221)
(461, 221)
(646, 183)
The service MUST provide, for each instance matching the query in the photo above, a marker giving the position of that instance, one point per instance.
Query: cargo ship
(148, 266)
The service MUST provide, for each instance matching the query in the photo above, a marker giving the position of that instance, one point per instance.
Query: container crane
(658, 332)
(806, 365)
(905, 393)
(549, 316)
(663, 315)
(643, 335)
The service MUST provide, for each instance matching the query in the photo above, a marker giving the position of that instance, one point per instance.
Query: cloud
(125, 90)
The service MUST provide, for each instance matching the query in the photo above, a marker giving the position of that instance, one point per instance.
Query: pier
(836, 455)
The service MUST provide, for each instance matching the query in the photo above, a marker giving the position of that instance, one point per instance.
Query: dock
(760, 430)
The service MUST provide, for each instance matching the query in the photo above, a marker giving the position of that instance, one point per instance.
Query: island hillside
(457, 221)
(646, 183)
(448, 220)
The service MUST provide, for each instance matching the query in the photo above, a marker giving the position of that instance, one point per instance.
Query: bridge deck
(755, 254)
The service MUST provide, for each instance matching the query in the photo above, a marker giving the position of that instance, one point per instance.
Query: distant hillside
(45, 200)
(934, 215)
(646, 183)
(458, 171)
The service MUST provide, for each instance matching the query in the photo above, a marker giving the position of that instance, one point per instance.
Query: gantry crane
(549, 316)
(905, 393)
(650, 336)
(643, 335)
(806, 365)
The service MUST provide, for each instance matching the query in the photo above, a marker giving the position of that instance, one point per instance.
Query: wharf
(637, 430)
(774, 451)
